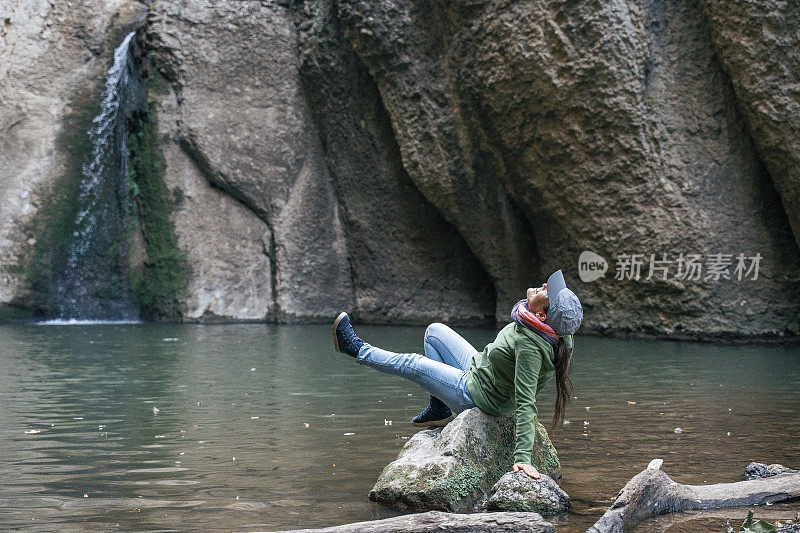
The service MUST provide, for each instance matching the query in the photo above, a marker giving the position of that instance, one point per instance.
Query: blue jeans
(442, 371)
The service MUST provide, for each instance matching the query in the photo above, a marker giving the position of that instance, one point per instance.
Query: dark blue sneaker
(345, 339)
(437, 414)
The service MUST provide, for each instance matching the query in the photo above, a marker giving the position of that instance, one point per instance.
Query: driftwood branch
(437, 522)
(651, 493)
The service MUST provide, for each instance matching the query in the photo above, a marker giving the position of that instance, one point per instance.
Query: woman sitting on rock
(505, 377)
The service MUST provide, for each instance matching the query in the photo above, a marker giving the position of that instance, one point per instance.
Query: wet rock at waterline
(454, 468)
(761, 470)
(520, 492)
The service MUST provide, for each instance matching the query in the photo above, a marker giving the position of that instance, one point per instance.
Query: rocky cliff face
(417, 160)
(541, 129)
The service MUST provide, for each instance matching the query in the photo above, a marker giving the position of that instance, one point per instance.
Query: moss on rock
(161, 279)
(454, 468)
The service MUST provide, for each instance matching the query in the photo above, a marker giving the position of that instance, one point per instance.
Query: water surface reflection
(265, 427)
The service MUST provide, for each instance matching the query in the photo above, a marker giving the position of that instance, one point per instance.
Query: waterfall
(93, 284)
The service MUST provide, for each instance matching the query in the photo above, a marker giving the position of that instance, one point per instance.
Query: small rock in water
(678, 430)
(521, 493)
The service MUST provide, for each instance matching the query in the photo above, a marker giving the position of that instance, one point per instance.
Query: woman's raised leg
(441, 380)
(445, 345)
(447, 382)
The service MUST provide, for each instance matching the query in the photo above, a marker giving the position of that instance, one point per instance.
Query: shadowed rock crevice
(408, 264)
(757, 45)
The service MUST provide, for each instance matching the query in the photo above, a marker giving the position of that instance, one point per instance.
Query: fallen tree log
(652, 492)
(676, 521)
(437, 522)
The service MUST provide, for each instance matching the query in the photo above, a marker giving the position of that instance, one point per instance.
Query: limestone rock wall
(362, 239)
(413, 160)
(542, 129)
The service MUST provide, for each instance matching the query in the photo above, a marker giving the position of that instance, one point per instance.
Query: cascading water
(93, 284)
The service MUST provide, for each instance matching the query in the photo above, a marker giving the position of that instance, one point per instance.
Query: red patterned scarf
(522, 316)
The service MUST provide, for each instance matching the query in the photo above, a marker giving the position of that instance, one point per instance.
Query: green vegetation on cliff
(161, 278)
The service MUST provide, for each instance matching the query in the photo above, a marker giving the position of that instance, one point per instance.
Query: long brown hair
(564, 387)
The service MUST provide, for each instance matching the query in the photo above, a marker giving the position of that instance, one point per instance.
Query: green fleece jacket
(508, 375)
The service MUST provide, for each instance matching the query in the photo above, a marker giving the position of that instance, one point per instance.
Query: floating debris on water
(348, 434)
(252, 369)
(78, 418)
(678, 430)
(156, 410)
(588, 407)
(254, 418)
(306, 424)
(160, 436)
(170, 339)
(33, 431)
(631, 403)
(566, 423)
(387, 422)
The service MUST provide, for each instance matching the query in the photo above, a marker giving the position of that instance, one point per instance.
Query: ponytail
(564, 389)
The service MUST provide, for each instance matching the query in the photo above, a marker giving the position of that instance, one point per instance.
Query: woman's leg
(445, 345)
(441, 380)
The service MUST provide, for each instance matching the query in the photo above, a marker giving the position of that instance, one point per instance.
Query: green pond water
(264, 427)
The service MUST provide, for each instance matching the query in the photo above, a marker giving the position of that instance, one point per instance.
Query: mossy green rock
(453, 468)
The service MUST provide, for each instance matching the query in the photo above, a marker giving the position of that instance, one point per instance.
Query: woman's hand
(528, 469)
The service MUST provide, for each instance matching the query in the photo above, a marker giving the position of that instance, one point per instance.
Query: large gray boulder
(453, 468)
(520, 492)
